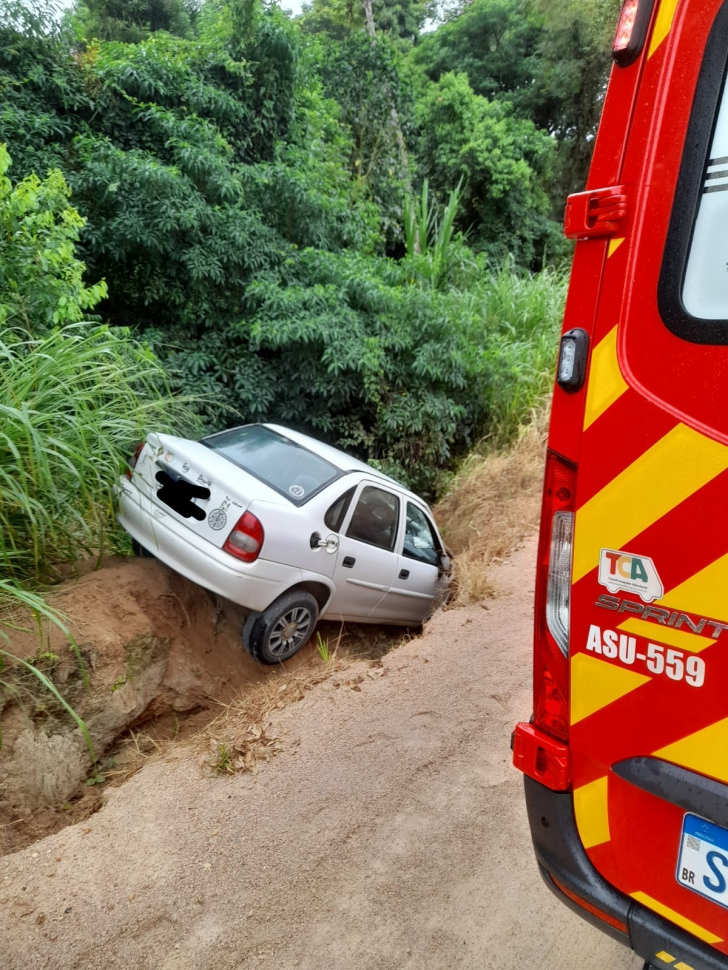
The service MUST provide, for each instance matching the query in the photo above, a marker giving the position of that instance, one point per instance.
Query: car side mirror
(444, 564)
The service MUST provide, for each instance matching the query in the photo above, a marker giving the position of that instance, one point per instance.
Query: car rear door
(648, 645)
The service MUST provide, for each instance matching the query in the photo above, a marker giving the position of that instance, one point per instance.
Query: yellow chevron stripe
(606, 384)
(592, 813)
(682, 639)
(614, 245)
(665, 956)
(687, 924)
(664, 476)
(704, 593)
(705, 751)
(663, 24)
(596, 683)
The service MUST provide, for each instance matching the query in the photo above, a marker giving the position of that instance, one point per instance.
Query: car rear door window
(420, 542)
(336, 514)
(375, 518)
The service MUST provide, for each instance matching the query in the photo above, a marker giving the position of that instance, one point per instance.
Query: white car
(288, 528)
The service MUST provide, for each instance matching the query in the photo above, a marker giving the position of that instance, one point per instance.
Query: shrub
(74, 399)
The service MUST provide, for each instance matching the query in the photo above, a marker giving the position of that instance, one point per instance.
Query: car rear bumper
(253, 586)
(561, 857)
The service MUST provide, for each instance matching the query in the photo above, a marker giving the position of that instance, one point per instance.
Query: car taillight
(132, 463)
(246, 539)
(553, 591)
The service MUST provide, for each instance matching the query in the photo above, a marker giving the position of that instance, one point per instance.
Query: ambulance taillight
(553, 588)
(631, 33)
(540, 749)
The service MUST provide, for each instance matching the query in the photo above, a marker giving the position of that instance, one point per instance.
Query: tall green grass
(521, 317)
(73, 404)
(429, 233)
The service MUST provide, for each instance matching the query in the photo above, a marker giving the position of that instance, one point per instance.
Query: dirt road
(390, 833)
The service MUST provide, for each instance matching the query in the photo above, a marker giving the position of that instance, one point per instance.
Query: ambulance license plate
(703, 861)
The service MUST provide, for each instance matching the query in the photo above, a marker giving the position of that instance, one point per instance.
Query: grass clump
(493, 503)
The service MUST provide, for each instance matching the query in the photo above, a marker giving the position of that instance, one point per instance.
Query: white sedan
(288, 528)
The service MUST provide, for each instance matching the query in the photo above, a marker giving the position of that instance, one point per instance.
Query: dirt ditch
(163, 658)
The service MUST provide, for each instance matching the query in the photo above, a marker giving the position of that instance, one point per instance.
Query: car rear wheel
(279, 632)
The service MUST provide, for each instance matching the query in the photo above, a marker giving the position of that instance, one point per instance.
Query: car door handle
(349, 561)
(404, 574)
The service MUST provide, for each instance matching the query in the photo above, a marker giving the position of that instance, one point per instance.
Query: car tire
(279, 632)
(139, 550)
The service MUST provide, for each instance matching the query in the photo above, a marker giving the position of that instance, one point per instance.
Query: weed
(323, 648)
(222, 760)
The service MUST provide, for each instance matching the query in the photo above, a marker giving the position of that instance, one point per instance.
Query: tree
(549, 61)
(362, 74)
(502, 161)
(491, 41)
(129, 20)
(401, 20)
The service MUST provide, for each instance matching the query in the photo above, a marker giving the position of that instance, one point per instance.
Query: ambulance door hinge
(596, 214)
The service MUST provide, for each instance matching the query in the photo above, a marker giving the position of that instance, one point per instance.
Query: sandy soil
(390, 832)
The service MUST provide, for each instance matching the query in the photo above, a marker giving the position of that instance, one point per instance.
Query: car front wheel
(279, 632)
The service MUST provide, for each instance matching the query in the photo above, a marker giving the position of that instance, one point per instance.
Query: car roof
(339, 459)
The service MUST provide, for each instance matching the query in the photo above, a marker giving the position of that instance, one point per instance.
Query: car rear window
(289, 468)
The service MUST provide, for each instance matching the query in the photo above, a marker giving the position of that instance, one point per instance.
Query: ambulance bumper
(562, 860)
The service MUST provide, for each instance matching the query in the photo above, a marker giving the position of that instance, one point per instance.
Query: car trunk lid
(199, 487)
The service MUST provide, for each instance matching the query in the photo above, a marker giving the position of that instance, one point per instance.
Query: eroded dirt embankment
(155, 648)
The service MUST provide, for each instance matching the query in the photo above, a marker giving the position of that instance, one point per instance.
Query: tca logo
(620, 570)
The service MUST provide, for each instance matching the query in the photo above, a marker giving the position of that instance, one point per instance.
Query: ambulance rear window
(693, 295)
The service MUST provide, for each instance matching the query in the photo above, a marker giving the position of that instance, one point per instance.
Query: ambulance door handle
(597, 214)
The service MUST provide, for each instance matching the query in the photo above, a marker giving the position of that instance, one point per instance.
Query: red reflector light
(552, 710)
(246, 539)
(132, 463)
(600, 914)
(625, 28)
(542, 757)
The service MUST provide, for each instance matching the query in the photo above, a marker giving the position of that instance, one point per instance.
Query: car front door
(366, 560)
(418, 580)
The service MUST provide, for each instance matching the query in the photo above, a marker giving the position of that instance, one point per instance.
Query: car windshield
(289, 468)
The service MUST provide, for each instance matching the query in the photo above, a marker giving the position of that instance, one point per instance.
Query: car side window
(336, 513)
(375, 518)
(420, 542)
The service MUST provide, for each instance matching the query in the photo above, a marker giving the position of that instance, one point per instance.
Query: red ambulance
(626, 754)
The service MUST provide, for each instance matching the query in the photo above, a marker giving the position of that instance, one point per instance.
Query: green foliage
(400, 19)
(362, 75)
(493, 42)
(364, 353)
(72, 405)
(429, 235)
(130, 20)
(502, 161)
(550, 61)
(74, 399)
(41, 281)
